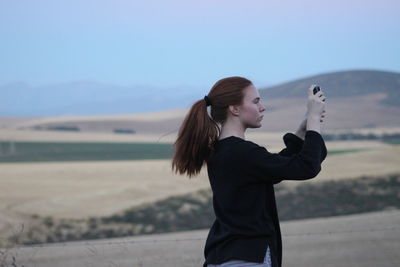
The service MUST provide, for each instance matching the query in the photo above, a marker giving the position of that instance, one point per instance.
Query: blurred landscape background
(92, 95)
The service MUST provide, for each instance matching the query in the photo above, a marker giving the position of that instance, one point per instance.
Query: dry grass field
(98, 188)
(83, 189)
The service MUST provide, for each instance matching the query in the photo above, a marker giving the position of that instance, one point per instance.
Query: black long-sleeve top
(242, 175)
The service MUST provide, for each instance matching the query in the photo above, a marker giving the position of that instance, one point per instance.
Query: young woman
(242, 174)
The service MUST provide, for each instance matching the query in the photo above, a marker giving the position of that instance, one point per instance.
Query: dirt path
(361, 240)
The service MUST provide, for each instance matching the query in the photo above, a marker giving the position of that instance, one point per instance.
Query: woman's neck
(226, 132)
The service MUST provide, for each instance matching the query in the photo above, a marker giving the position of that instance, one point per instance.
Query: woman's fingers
(321, 96)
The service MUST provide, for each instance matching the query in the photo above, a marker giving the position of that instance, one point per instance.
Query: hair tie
(207, 99)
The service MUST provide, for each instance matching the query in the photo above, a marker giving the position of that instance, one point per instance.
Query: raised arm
(274, 167)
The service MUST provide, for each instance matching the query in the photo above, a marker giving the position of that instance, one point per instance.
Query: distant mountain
(90, 98)
(342, 84)
(81, 98)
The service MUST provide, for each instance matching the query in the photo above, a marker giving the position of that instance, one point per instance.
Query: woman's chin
(257, 125)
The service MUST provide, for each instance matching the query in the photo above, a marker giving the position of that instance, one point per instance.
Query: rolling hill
(343, 84)
(355, 99)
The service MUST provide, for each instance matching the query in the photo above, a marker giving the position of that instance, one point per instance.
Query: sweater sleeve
(274, 167)
(293, 144)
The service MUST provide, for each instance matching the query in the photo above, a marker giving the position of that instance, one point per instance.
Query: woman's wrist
(301, 133)
(314, 124)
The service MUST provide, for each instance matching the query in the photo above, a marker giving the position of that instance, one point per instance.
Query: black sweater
(242, 175)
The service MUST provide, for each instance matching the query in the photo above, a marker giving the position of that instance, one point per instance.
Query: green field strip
(96, 151)
(78, 151)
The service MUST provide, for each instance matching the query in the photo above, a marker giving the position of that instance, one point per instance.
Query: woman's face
(251, 108)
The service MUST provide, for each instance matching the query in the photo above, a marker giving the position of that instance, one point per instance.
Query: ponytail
(196, 137)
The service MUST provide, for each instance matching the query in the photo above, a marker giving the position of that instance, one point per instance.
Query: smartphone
(316, 89)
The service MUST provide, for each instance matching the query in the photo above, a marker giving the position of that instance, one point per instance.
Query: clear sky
(194, 43)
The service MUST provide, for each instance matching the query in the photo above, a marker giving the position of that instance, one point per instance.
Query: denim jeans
(241, 263)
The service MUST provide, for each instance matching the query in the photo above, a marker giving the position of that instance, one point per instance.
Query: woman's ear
(234, 110)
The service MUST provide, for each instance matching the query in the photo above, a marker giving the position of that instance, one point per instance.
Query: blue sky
(193, 43)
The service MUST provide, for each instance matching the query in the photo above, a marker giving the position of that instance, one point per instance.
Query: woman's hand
(316, 102)
(312, 113)
(315, 110)
(301, 130)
